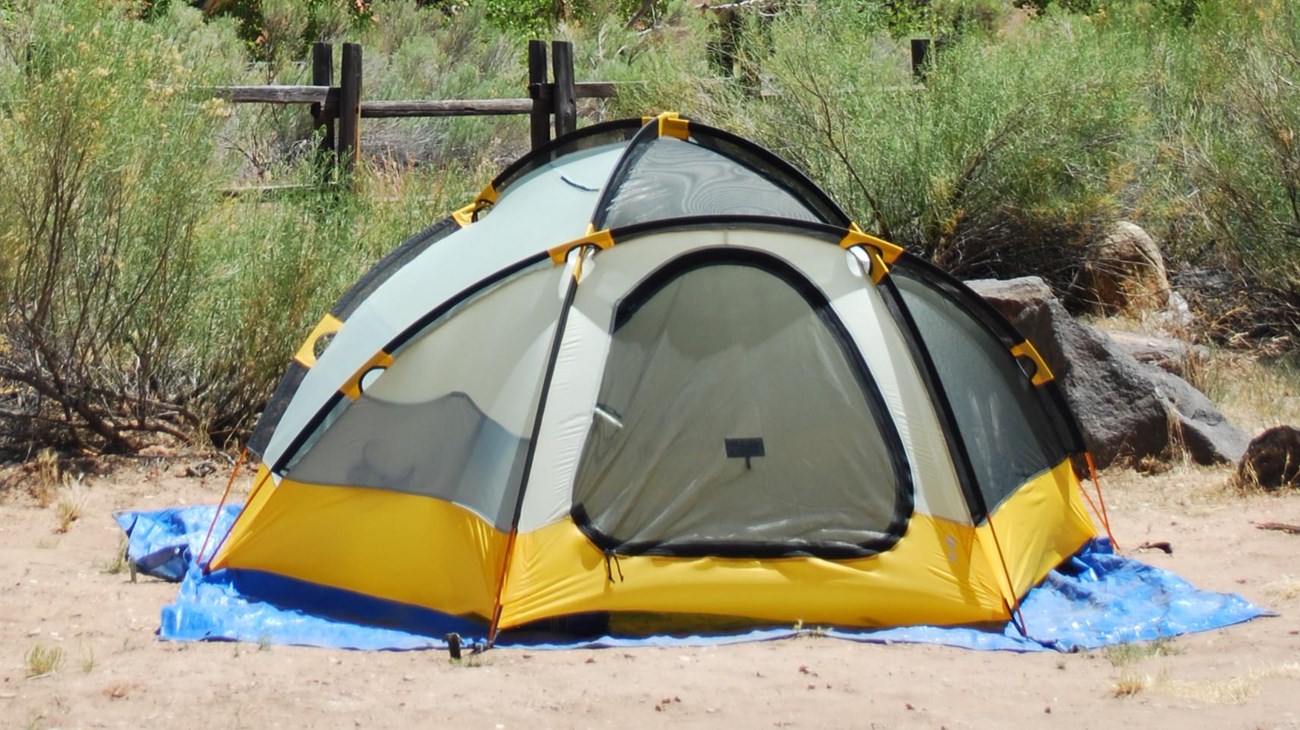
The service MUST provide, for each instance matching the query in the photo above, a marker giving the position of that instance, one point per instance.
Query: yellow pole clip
(1042, 373)
(881, 252)
(352, 388)
(469, 213)
(671, 124)
(328, 325)
(600, 239)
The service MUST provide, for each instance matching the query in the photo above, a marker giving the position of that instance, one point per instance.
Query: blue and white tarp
(1095, 599)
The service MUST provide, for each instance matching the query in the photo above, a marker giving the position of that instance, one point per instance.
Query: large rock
(1167, 353)
(1125, 272)
(1205, 433)
(1125, 408)
(1272, 459)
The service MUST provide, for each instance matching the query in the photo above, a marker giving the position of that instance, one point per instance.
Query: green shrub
(273, 267)
(107, 178)
(1005, 162)
(1227, 169)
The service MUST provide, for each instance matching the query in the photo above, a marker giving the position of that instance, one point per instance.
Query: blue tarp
(1095, 599)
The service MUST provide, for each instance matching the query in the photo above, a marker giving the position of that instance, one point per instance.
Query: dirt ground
(62, 595)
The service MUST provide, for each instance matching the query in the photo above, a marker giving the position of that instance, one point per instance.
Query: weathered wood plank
(595, 89)
(271, 94)
(322, 74)
(324, 95)
(463, 108)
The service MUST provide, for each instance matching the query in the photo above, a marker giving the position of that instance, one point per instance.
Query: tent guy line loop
(882, 253)
(612, 557)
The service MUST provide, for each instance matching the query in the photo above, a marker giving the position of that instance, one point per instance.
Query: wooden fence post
(322, 74)
(539, 120)
(920, 58)
(349, 114)
(566, 105)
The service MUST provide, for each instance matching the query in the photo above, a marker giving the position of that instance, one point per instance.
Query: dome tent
(654, 369)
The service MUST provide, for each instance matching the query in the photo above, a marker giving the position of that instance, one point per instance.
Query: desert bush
(136, 298)
(1227, 177)
(424, 53)
(272, 267)
(664, 68)
(106, 179)
(1004, 162)
(540, 17)
(276, 32)
(1247, 156)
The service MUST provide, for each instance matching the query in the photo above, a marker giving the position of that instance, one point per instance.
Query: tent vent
(746, 449)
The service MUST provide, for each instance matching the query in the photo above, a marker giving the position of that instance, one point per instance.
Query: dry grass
(88, 662)
(1176, 451)
(1254, 395)
(71, 505)
(1233, 690)
(116, 564)
(1285, 588)
(1230, 691)
(1191, 489)
(1124, 654)
(42, 661)
(1132, 682)
(46, 477)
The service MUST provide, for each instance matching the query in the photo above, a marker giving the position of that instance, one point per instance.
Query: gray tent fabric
(724, 354)
(1007, 436)
(671, 178)
(450, 418)
(446, 448)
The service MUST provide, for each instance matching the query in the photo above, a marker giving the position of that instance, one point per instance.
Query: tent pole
(1012, 606)
(560, 325)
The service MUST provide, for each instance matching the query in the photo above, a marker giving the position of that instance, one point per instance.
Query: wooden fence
(552, 97)
(339, 108)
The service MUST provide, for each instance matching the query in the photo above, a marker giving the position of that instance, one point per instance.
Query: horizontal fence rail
(338, 108)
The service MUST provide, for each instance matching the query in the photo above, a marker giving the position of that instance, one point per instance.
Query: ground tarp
(1095, 599)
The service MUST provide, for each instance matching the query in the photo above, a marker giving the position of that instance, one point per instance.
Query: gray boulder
(1125, 272)
(1272, 459)
(1206, 434)
(1125, 408)
(1167, 353)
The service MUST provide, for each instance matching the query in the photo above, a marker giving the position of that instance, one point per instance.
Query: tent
(653, 370)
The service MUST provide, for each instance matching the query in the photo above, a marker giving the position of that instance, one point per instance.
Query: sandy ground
(57, 592)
